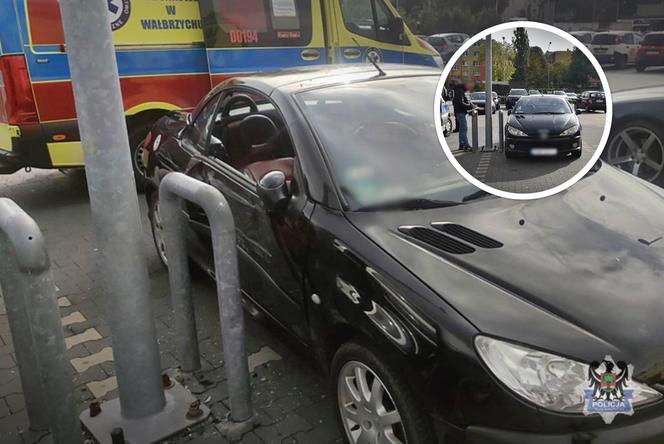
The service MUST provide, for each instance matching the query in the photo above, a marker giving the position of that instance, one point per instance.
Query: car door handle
(352, 53)
(310, 55)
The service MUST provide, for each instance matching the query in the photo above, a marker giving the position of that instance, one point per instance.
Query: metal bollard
(501, 130)
(174, 189)
(29, 293)
(473, 122)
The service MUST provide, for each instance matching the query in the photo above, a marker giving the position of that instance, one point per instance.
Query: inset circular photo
(523, 110)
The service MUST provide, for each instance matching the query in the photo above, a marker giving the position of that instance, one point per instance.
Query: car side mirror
(509, 112)
(217, 149)
(273, 190)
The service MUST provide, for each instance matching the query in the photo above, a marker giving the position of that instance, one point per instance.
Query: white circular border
(607, 124)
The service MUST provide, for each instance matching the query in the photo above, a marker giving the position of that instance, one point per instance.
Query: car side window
(250, 136)
(200, 128)
(628, 39)
(369, 18)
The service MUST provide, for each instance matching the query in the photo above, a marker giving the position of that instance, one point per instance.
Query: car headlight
(516, 132)
(547, 380)
(571, 130)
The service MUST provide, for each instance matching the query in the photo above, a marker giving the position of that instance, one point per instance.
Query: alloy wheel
(637, 150)
(139, 159)
(368, 411)
(158, 233)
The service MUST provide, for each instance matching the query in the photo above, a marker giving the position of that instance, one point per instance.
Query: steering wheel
(238, 99)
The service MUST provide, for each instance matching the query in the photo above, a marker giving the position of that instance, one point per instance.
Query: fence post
(475, 130)
(173, 190)
(35, 324)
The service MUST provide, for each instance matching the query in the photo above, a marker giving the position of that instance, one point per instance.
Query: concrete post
(114, 205)
(29, 292)
(488, 104)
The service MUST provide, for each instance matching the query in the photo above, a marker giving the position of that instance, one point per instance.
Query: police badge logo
(118, 11)
(608, 394)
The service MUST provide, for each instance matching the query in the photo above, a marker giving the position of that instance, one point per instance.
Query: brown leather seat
(256, 170)
(260, 138)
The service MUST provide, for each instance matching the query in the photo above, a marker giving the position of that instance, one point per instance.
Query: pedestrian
(461, 107)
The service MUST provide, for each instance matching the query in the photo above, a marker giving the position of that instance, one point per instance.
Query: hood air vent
(437, 239)
(468, 235)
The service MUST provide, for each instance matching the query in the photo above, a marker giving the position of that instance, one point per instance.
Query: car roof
(299, 79)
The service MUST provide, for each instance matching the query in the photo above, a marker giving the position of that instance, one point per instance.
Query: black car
(543, 126)
(591, 101)
(636, 143)
(440, 313)
(514, 96)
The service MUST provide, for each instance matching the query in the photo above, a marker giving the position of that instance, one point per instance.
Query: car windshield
(518, 92)
(381, 142)
(654, 40)
(456, 38)
(605, 39)
(542, 105)
(477, 96)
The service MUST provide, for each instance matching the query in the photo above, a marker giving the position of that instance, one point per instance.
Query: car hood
(580, 273)
(532, 123)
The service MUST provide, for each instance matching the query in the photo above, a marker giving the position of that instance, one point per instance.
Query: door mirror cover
(273, 190)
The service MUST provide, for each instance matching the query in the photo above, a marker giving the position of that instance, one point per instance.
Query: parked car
(514, 96)
(584, 37)
(636, 143)
(440, 313)
(592, 101)
(559, 93)
(651, 52)
(479, 99)
(541, 126)
(535, 92)
(447, 44)
(573, 98)
(616, 47)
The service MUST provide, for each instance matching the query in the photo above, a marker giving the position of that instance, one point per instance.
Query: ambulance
(170, 53)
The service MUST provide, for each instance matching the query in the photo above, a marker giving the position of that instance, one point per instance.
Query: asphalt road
(528, 175)
(628, 78)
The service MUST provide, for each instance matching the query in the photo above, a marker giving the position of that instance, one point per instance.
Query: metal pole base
(176, 416)
(233, 431)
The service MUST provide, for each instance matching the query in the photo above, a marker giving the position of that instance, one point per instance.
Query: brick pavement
(292, 399)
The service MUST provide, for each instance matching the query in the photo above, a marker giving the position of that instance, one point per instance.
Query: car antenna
(373, 61)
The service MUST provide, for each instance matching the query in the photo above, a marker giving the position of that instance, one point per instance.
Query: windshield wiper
(409, 204)
(476, 195)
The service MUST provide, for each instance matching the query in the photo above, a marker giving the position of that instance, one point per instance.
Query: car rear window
(256, 23)
(518, 92)
(654, 40)
(605, 39)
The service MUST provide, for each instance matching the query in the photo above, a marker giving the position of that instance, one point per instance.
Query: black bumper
(649, 431)
(10, 162)
(521, 146)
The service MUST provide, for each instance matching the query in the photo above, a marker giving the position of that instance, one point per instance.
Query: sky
(538, 37)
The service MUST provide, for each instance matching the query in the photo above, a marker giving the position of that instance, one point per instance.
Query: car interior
(252, 137)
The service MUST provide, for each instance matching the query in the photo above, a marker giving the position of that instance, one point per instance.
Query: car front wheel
(375, 403)
(157, 228)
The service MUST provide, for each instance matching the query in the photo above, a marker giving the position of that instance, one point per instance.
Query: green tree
(536, 68)
(521, 44)
(579, 69)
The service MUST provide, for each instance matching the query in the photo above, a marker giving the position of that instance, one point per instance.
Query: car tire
(136, 137)
(156, 228)
(640, 67)
(620, 61)
(618, 151)
(356, 365)
(447, 128)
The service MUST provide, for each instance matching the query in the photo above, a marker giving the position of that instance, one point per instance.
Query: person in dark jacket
(461, 107)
